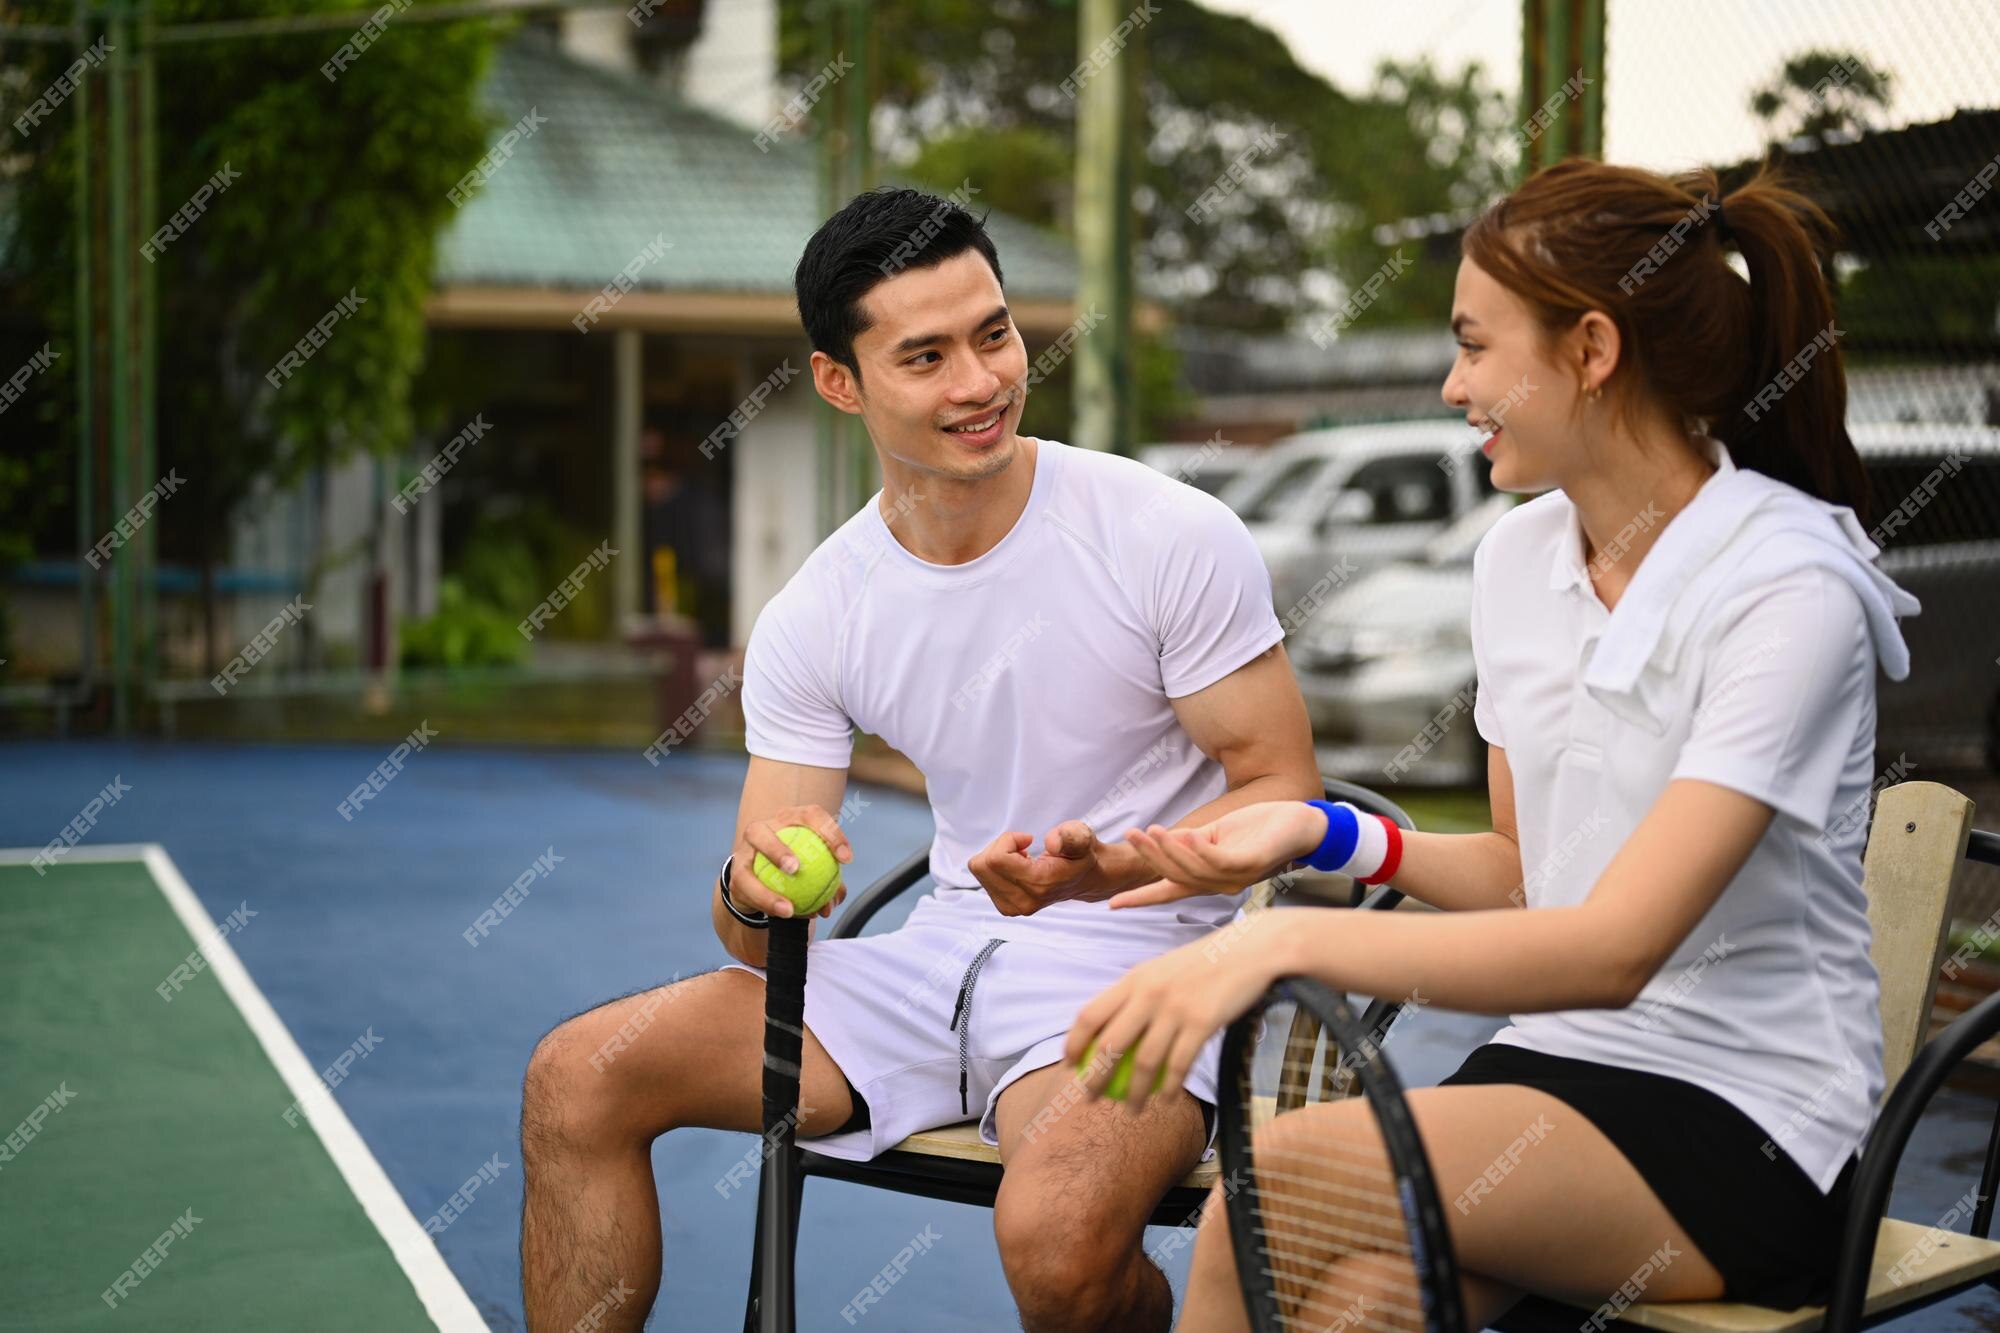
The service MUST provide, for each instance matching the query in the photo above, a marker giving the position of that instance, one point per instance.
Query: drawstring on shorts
(961, 1020)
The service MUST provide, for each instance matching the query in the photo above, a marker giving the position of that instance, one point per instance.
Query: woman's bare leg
(1535, 1197)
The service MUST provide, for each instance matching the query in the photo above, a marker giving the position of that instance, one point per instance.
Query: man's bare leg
(599, 1089)
(1082, 1179)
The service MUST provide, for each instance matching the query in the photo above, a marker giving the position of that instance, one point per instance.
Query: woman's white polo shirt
(1768, 688)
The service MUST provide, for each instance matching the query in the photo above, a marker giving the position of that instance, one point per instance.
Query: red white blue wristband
(1367, 848)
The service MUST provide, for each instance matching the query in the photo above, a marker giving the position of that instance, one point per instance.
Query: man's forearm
(1269, 787)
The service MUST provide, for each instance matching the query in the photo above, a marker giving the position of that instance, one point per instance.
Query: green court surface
(157, 1111)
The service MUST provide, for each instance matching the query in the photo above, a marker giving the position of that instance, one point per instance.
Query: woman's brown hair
(1648, 251)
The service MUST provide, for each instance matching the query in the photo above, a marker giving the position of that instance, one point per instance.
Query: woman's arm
(1469, 871)
(1596, 955)
(1454, 871)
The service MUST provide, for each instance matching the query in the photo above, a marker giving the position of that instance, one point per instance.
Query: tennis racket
(781, 1179)
(1332, 1232)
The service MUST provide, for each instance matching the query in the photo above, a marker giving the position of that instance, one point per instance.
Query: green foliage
(974, 90)
(506, 560)
(1422, 145)
(35, 482)
(510, 560)
(342, 187)
(465, 632)
(1163, 396)
(1918, 305)
(1028, 170)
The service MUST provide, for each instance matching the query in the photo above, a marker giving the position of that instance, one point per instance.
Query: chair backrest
(1914, 851)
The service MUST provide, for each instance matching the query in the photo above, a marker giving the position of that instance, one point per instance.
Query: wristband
(761, 921)
(1367, 848)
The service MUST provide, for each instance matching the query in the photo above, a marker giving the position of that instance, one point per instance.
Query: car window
(1271, 496)
(1404, 488)
(1940, 500)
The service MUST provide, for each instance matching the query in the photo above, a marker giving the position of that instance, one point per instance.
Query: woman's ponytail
(1792, 420)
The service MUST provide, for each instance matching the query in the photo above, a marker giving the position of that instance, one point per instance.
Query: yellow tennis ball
(1121, 1077)
(818, 873)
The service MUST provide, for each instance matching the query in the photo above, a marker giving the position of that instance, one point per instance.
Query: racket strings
(1372, 1301)
(1335, 1242)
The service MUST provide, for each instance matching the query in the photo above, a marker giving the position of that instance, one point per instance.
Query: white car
(1208, 467)
(1331, 505)
(1386, 664)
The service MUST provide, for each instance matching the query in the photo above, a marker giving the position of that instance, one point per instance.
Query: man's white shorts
(882, 1005)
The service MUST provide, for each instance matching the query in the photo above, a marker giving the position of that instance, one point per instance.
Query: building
(661, 172)
(612, 304)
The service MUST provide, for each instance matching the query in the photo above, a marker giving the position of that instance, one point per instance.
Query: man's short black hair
(878, 234)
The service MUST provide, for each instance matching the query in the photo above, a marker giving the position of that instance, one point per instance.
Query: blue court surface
(358, 927)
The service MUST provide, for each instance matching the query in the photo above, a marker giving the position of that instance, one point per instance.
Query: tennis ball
(818, 875)
(1121, 1077)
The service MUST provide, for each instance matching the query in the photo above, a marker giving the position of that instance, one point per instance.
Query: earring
(1596, 392)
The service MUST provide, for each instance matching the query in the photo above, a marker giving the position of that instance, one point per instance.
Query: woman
(1676, 650)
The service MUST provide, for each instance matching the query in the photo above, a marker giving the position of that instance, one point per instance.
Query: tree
(1900, 303)
(343, 189)
(1818, 93)
(1260, 183)
(1426, 145)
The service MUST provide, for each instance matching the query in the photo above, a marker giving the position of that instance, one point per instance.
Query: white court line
(437, 1286)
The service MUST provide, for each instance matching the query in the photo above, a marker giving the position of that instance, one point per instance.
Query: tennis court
(358, 931)
(357, 939)
(411, 410)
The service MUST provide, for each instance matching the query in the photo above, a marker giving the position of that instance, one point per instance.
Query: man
(1066, 643)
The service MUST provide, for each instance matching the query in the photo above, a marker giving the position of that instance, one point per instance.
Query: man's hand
(1073, 866)
(761, 835)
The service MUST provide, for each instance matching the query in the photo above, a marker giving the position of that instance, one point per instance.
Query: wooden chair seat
(962, 1142)
(1953, 1260)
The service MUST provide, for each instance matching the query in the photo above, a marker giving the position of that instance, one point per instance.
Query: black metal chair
(1885, 1268)
(951, 1164)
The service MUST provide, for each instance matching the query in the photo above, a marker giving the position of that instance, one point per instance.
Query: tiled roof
(615, 163)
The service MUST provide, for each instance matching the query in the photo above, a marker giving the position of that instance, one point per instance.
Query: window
(1406, 488)
(1273, 493)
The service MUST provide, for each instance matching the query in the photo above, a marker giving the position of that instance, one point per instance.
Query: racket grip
(784, 1028)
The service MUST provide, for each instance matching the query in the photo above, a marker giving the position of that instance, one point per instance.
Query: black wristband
(760, 921)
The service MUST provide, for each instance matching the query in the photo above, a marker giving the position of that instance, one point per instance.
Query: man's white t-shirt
(1771, 1001)
(1031, 685)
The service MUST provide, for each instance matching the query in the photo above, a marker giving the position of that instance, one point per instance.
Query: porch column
(628, 389)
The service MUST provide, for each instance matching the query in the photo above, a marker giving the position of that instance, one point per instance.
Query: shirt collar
(1568, 569)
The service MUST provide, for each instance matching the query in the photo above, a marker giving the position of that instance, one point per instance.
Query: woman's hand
(1239, 849)
(1165, 1008)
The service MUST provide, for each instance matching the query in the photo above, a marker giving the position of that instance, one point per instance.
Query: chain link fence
(1893, 126)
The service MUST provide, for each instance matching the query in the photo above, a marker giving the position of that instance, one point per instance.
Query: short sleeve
(1485, 706)
(1786, 686)
(790, 710)
(1208, 596)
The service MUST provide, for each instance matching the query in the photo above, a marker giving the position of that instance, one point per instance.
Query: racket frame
(1417, 1197)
